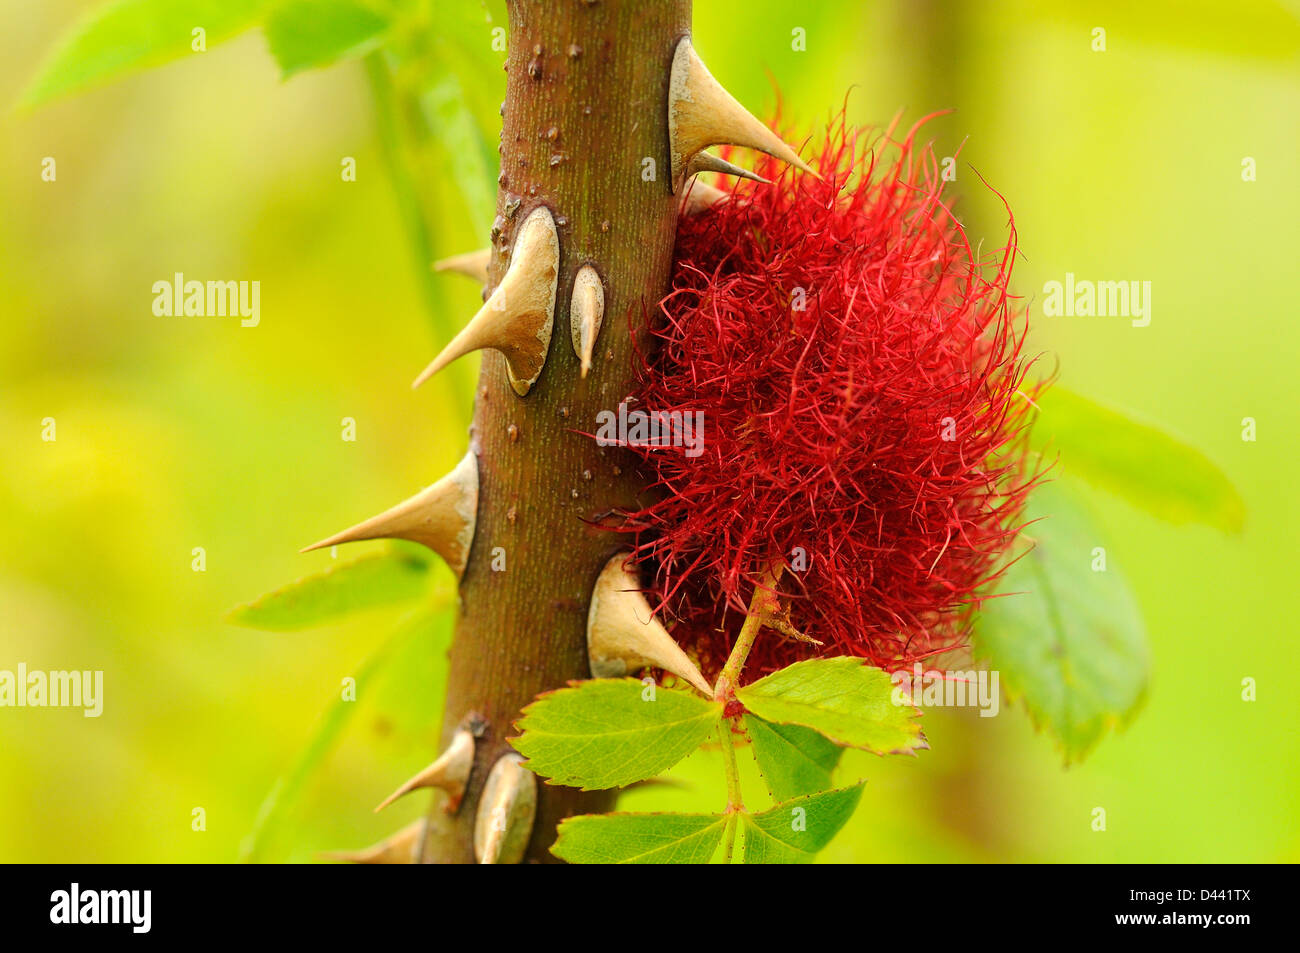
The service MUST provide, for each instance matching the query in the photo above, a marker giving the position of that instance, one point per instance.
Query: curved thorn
(450, 772)
(699, 197)
(701, 113)
(400, 848)
(708, 162)
(441, 516)
(623, 635)
(473, 264)
(518, 316)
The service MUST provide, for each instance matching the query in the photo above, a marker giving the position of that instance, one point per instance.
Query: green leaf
(402, 652)
(608, 733)
(379, 580)
(795, 830)
(126, 35)
(794, 761)
(305, 34)
(1068, 640)
(640, 838)
(469, 155)
(849, 702)
(1140, 463)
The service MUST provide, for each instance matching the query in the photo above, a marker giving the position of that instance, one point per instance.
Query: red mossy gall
(859, 368)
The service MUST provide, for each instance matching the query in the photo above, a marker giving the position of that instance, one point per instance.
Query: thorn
(401, 848)
(699, 197)
(472, 263)
(506, 808)
(708, 162)
(623, 635)
(450, 772)
(518, 316)
(701, 113)
(586, 311)
(441, 516)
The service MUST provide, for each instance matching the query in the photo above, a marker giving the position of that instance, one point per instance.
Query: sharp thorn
(701, 114)
(473, 264)
(441, 516)
(519, 315)
(623, 635)
(708, 162)
(450, 772)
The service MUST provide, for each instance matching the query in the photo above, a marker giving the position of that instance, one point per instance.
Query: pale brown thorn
(473, 264)
(519, 315)
(586, 313)
(623, 635)
(450, 772)
(400, 848)
(441, 516)
(701, 113)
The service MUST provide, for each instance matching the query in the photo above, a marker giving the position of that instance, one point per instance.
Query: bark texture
(585, 134)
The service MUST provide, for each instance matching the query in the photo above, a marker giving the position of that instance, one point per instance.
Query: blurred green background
(175, 433)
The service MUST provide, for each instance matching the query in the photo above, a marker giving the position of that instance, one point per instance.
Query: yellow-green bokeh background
(182, 432)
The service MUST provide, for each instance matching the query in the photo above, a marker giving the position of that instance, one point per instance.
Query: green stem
(763, 596)
(759, 604)
(735, 801)
(730, 835)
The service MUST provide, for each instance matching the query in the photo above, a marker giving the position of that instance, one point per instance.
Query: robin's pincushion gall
(860, 370)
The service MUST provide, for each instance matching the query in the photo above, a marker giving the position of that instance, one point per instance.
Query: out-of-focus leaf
(795, 830)
(1066, 638)
(611, 732)
(466, 149)
(379, 580)
(1144, 465)
(847, 701)
(794, 761)
(125, 35)
(640, 838)
(414, 634)
(408, 693)
(305, 34)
